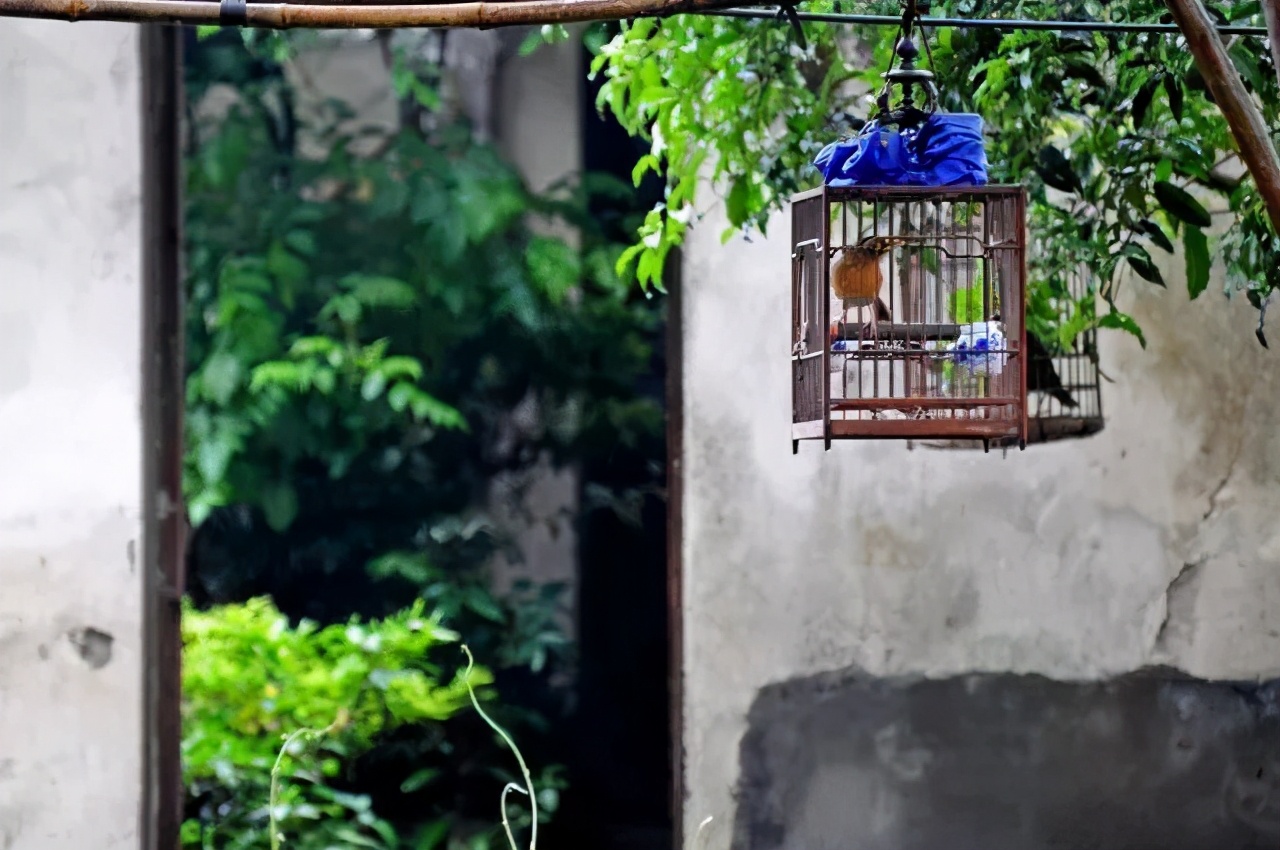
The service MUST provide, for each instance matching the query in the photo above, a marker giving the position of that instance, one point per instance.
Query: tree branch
(1242, 114)
(1271, 11)
(481, 15)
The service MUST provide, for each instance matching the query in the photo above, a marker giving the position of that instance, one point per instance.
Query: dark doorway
(622, 741)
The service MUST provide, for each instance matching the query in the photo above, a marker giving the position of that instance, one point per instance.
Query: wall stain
(1020, 762)
(93, 645)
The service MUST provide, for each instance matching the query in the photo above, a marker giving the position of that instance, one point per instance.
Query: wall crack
(1222, 484)
(1178, 599)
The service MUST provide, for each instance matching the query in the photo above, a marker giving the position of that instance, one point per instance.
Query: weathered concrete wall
(1152, 543)
(70, 437)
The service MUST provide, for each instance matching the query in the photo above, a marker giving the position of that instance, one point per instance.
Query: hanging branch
(481, 15)
(1242, 114)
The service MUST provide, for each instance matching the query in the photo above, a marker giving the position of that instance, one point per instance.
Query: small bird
(856, 278)
(1041, 376)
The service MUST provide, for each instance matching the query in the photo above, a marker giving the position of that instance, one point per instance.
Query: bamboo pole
(1242, 114)
(479, 15)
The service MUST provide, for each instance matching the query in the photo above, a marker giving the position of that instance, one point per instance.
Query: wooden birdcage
(908, 314)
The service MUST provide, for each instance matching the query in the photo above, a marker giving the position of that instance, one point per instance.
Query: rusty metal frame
(164, 520)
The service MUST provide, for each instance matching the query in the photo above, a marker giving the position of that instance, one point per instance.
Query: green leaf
(1250, 69)
(284, 266)
(1055, 170)
(1173, 88)
(1179, 203)
(1142, 101)
(1124, 322)
(279, 373)
(301, 241)
(735, 203)
(479, 601)
(214, 454)
(1156, 234)
(373, 385)
(279, 501)
(554, 266)
(399, 366)
(626, 258)
(418, 779)
(221, 376)
(379, 291)
(400, 396)
(352, 838)
(1196, 247)
(432, 835)
(1140, 262)
(531, 42)
(646, 163)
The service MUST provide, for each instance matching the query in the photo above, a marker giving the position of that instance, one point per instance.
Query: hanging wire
(1012, 24)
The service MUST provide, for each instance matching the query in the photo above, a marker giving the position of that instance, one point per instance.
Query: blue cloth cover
(946, 150)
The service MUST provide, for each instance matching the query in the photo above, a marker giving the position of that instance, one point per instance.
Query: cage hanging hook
(787, 12)
(903, 71)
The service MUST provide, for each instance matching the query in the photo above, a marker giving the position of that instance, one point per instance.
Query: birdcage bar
(935, 268)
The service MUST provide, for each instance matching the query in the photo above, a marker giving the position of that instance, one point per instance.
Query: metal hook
(787, 11)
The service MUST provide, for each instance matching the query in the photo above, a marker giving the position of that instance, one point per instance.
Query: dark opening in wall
(621, 740)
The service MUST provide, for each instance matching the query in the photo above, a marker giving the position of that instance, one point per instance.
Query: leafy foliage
(1113, 133)
(250, 679)
(736, 97)
(374, 335)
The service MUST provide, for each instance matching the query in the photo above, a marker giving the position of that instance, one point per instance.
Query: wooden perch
(901, 332)
(1242, 114)
(479, 15)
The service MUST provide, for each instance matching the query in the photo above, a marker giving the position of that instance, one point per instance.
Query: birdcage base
(1047, 430)
(911, 429)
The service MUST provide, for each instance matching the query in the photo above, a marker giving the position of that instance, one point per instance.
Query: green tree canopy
(1123, 151)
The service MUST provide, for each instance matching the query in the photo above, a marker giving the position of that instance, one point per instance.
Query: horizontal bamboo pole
(477, 15)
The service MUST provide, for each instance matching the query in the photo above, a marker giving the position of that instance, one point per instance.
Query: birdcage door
(810, 395)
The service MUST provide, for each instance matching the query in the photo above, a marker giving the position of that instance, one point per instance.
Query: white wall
(1155, 542)
(70, 437)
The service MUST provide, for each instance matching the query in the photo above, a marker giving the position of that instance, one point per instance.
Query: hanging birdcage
(909, 281)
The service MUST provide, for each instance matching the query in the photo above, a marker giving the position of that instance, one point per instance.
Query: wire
(980, 23)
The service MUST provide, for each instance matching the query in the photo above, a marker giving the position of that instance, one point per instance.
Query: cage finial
(908, 76)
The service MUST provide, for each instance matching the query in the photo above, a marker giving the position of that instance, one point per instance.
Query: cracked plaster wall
(70, 437)
(1153, 543)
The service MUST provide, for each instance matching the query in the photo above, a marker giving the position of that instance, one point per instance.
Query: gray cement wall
(962, 606)
(70, 437)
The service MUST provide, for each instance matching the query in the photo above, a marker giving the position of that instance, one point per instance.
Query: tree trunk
(1242, 114)
(1271, 11)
